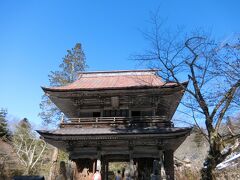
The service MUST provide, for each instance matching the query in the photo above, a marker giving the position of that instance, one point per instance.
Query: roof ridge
(118, 71)
(110, 75)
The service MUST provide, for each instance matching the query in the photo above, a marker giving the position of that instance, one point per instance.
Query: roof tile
(115, 80)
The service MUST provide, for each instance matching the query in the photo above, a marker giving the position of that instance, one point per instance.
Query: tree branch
(228, 98)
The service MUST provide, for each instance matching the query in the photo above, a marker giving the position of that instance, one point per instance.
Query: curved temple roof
(115, 131)
(171, 138)
(114, 80)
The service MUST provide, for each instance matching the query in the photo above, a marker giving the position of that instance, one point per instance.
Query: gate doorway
(115, 167)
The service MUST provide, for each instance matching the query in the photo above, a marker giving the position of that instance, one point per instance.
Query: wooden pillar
(131, 162)
(94, 166)
(154, 111)
(129, 113)
(99, 162)
(169, 164)
(155, 173)
(157, 165)
(106, 163)
(145, 168)
(161, 168)
(53, 167)
(103, 170)
(99, 165)
(99, 148)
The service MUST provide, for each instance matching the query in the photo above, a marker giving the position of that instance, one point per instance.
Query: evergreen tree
(4, 131)
(72, 64)
(24, 128)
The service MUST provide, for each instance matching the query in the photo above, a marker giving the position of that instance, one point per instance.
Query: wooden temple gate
(118, 116)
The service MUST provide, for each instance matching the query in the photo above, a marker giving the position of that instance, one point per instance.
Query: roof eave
(45, 89)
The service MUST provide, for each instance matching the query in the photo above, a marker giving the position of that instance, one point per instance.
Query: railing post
(62, 118)
(130, 122)
(114, 121)
(79, 121)
(96, 122)
(62, 121)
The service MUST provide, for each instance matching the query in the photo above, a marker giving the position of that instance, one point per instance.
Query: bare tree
(28, 148)
(212, 69)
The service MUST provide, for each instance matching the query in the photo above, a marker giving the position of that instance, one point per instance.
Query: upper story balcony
(117, 122)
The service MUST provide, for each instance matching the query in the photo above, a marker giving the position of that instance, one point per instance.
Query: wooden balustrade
(137, 121)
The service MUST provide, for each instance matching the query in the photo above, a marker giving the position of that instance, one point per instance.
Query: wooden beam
(169, 164)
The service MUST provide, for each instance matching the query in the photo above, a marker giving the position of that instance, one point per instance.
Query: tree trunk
(214, 157)
(27, 170)
(53, 168)
(208, 171)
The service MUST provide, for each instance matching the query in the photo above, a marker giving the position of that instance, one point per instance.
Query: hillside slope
(191, 151)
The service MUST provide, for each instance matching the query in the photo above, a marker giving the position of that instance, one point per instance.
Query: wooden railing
(139, 121)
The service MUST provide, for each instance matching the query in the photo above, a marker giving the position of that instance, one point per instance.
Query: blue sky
(34, 36)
